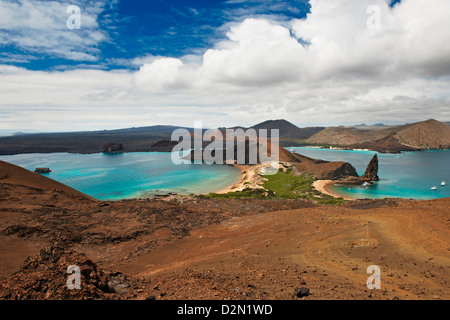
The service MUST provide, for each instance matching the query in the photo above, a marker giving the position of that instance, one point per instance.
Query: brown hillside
(430, 134)
(339, 136)
(319, 169)
(12, 174)
(287, 129)
(386, 144)
(214, 249)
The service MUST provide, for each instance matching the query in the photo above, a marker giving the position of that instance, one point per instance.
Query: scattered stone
(301, 292)
(117, 283)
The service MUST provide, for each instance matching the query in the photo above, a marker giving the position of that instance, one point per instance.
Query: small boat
(292, 150)
(434, 188)
(366, 184)
(443, 183)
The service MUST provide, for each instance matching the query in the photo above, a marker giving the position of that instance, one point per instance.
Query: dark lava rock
(301, 292)
(22, 231)
(44, 277)
(371, 173)
(113, 148)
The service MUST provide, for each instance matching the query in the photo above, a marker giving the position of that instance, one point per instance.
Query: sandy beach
(323, 187)
(250, 178)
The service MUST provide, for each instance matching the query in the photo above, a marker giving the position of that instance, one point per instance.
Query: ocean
(128, 175)
(141, 174)
(405, 175)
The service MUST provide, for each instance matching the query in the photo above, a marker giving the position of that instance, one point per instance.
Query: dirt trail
(329, 248)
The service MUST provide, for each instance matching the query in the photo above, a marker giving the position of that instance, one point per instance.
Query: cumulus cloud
(334, 41)
(326, 69)
(40, 27)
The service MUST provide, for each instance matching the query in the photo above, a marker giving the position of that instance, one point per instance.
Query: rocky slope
(388, 143)
(429, 134)
(190, 248)
(287, 129)
(43, 277)
(14, 175)
(339, 136)
(319, 169)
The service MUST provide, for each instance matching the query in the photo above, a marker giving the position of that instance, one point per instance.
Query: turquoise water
(138, 175)
(405, 175)
(128, 175)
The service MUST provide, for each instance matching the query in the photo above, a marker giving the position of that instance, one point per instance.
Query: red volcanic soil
(11, 174)
(190, 248)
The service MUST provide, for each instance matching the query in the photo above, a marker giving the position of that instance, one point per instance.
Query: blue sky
(135, 28)
(226, 63)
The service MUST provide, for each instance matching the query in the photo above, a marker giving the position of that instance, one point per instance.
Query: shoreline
(323, 187)
(249, 178)
(158, 150)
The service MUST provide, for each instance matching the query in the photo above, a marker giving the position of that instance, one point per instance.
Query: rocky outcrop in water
(371, 173)
(113, 148)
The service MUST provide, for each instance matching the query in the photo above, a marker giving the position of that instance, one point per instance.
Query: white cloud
(40, 27)
(411, 41)
(162, 73)
(346, 73)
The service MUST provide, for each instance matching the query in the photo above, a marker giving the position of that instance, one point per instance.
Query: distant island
(429, 134)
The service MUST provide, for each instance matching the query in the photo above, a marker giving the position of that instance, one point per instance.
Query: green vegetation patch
(282, 185)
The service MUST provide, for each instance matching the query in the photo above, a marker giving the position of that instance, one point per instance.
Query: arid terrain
(191, 248)
(429, 134)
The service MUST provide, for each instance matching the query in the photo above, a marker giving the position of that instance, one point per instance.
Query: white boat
(434, 188)
(443, 183)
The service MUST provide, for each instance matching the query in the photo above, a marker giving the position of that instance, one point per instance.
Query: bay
(128, 175)
(405, 175)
